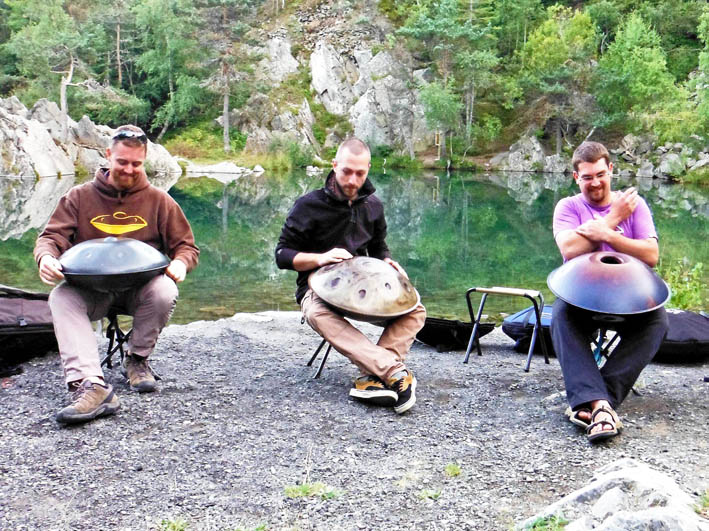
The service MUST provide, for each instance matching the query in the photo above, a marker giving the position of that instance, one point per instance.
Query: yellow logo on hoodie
(127, 223)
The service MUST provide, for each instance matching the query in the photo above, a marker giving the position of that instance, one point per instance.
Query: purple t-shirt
(574, 211)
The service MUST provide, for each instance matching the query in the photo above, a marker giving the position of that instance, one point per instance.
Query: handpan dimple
(365, 288)
(609, 283)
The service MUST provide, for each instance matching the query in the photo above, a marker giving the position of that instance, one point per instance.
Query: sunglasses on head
(136, 135)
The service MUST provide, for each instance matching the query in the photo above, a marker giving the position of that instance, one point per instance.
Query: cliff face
(37, 166)
(375, 92)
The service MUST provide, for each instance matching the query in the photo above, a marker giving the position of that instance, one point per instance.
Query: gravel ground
(238, 419)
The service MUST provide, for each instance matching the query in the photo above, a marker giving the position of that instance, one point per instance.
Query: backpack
(26, 328)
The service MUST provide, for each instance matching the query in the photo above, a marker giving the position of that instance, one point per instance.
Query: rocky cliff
(37, 166)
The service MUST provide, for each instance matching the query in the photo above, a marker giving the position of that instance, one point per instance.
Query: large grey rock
(556, 164)
(330, 76)
(41, 169)
(37, 173)
(388, 111)
(14, 106)
(48, 114)
(646, 169)
(278, 62)
(626, 495)
(700, 164)
(671, 165)
(526, 154)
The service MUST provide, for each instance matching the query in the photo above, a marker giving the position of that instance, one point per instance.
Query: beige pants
(73, 309)
(383, 359)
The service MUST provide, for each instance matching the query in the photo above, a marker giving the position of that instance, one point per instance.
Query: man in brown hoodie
(97, 209)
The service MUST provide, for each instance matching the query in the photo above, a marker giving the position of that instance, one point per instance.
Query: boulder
(646, 170)
(671, 165)
(525, 155)
(14, 106)
(556, 164)
(278, 62)
(700, 164)
(330, 76)
(48, 114)
(623, 495)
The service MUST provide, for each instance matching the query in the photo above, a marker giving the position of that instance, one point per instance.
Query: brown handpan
(609, 283)
(112, 264)
(364, 288)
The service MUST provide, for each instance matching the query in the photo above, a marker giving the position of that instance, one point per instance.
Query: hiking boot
(89, 401)
(404, 384)
(138, 372)
(372, 390)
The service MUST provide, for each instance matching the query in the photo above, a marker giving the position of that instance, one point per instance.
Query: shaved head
(354, 145)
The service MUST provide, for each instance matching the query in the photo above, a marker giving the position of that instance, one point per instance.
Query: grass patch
(177, 524)
(317, 489)
(429, 494)
(452, 470)
(548, 523)
(686, 284)
(81, 174)
(699, 177)
(702, 508)
(203, 141)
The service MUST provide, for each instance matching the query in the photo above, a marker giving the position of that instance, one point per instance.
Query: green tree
(170, 60)
(46, 43)
(513, 21)
(442, 109)
(632, 77)
(557, 65)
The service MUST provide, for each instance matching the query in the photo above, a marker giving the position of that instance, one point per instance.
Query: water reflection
(449, 232)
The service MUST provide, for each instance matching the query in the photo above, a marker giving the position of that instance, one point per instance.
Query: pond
(450, 232)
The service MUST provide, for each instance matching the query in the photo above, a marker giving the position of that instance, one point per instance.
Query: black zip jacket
(322, 220)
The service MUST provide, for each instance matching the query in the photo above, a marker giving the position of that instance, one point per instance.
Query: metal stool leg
(322, 363)
(474, 335)
(117, 336)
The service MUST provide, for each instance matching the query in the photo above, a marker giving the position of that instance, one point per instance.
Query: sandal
(615, 425)
(574, 417)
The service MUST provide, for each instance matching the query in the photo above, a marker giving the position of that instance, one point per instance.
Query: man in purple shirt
(598, 219)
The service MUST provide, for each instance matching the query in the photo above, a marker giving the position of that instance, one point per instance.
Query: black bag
(520, 326)
(26, 328)
(446, 335)
(687, 339)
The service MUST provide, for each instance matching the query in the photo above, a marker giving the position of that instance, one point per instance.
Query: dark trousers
(572, 330)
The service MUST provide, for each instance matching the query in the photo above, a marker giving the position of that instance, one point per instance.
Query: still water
(450, 232)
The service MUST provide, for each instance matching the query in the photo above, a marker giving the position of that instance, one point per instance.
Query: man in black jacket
(341, 220)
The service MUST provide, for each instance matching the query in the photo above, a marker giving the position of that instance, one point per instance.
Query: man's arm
(308, 261)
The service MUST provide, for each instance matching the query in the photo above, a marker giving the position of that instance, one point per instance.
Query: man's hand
(396, 266)
(333, 256)
(623, 205)
(177, 270)
(595, 230)
(50, 270)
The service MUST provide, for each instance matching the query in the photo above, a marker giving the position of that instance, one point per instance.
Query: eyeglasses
(599, 176)
(127, 133)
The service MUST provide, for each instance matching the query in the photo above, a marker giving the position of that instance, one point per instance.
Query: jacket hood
(101, 182)
(333, 190)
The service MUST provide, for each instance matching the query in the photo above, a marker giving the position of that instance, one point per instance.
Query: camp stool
(532, 295)
(116, 338)
(324, 359)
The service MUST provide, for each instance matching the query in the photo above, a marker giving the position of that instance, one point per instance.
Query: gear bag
(26, 328)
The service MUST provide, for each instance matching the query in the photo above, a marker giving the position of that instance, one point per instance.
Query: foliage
(548, 523)
(429, 494)
(203, 141)
(685, 283)
(452, 470)
(632, 77)
(177, 524)
(442, 106)
(317, 489)
(702, 508)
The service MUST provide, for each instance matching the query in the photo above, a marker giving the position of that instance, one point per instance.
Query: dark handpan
(609, 283)
(364, 288)
(112, 264)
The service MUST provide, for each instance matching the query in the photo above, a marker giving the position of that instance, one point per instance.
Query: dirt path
(238, 420)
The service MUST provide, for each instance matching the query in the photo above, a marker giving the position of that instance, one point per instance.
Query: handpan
(609, 283)
(364, 288)
(112, 264)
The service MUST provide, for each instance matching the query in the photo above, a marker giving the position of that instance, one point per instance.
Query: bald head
(354, 145)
